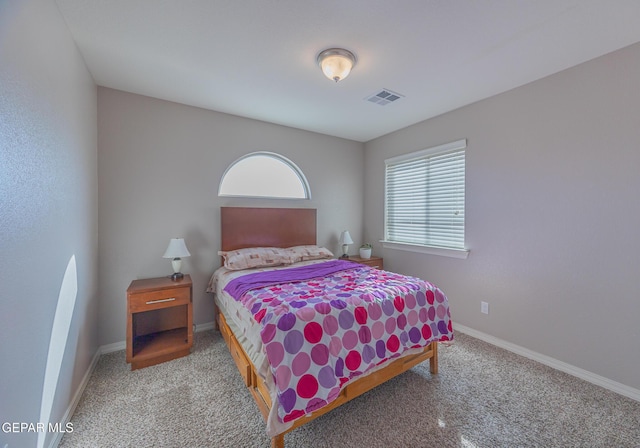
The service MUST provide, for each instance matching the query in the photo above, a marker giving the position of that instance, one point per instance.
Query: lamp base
(345, 256)
(176, 276)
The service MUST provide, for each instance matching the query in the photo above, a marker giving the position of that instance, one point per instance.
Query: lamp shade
(345, 238)
(336, 63)
(176, 249)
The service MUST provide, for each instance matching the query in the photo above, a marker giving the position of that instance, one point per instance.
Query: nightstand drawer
(154, 300)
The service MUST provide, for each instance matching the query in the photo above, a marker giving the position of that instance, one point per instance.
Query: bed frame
(285, 227)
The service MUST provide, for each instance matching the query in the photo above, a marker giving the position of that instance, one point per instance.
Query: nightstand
(159, 320)
(374, 262)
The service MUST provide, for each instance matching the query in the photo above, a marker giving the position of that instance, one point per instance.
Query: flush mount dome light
(336, 63)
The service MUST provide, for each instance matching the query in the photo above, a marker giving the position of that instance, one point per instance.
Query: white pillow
(255, 257)
(310, 252)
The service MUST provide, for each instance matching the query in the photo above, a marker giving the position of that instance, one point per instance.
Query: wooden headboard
(267, 227)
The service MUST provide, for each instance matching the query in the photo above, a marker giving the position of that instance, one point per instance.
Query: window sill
(432, 250)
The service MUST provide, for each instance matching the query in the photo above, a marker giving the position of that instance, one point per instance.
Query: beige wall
(160, 164)
(552, 215)
(48, 210)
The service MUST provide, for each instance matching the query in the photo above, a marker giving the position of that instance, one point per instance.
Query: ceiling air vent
(384, 97)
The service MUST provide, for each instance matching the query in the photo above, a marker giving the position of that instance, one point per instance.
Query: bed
(348, 349)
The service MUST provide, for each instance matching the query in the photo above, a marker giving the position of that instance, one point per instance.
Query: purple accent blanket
(237, 287)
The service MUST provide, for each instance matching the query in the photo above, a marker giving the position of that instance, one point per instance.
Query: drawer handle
(151, 302)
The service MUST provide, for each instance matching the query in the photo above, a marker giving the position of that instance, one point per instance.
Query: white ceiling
(257, 58)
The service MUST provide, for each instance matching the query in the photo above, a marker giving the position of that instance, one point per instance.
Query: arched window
(264, 174)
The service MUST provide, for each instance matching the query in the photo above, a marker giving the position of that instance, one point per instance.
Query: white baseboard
(204, 327)
(115, 347)
(66, 418)
(592, 378)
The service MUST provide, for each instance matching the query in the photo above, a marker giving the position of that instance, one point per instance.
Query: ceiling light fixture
(336, 63)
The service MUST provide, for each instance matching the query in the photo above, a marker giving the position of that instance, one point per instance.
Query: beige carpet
(482, 397)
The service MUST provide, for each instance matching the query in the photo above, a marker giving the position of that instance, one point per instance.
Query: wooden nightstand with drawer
(159, 320)
(374, 262)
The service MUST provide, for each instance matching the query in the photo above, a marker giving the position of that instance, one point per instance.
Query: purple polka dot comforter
(325, 324)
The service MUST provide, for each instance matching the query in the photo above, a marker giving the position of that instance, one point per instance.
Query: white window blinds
(424, 197)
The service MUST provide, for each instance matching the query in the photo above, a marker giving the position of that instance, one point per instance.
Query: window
(424, 200)
(264, 174)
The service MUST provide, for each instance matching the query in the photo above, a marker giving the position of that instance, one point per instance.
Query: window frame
(294, 168)
(455, 252)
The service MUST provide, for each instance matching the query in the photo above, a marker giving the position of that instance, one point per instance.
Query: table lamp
(176, 250)
(345, 240)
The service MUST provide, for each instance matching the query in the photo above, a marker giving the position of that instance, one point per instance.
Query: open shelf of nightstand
(160, 343)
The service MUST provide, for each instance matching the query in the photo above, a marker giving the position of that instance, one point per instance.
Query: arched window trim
(298, 172)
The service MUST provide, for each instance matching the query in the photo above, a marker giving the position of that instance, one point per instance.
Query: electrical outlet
(484, 307)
